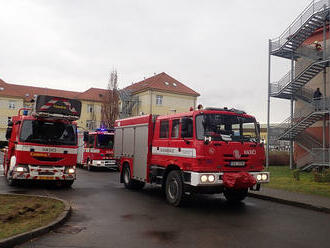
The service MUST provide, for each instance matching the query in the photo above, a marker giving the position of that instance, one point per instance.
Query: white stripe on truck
(27, 148)
(174, 151)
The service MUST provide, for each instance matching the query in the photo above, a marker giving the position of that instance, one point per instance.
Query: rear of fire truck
(98, 149)
(203, 151)
(42, 142)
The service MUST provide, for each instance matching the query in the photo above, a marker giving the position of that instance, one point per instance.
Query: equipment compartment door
(141, 152)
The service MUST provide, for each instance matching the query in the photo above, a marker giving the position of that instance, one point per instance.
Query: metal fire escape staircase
(289, 45)
(128, 101)
(302, 27)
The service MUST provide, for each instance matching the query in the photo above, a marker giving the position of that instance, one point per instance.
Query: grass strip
(281, 177)
(19, 213)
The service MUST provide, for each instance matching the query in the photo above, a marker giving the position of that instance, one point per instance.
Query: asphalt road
(107, 215)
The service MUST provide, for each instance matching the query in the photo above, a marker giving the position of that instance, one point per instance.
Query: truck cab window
(175, 128)
(187, 127)
(91, 141)
(164, 128)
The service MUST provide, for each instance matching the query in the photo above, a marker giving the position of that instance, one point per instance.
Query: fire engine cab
(42, 142)
(98, 149)
(205, 151)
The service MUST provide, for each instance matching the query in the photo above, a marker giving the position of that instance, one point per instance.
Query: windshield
(105, 141)
(226, 128)
(47, 132)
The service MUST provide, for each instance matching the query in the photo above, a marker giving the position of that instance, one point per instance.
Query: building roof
(28, 92)
(93, 94)
(162, 82)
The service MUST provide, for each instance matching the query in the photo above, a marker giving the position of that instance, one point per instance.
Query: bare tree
(110, 108)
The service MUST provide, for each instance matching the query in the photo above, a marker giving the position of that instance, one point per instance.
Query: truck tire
(235, 195)
(174, 188)
(89, 165)
(11, 181)
(67, 184)
(129, 182)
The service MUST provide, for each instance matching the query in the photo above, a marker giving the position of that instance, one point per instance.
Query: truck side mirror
(8, 132)
(258, 127)
(85, 136)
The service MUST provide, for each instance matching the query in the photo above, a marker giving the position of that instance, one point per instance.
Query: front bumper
(39, 172)
(108, 163)
(194, 178)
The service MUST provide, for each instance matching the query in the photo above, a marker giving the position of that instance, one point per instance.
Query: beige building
(160, 94)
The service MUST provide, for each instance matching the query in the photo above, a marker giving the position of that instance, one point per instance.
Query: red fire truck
(42, 142)
(98, 149)
(205, 151)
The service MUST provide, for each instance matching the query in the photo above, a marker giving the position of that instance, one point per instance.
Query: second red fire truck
(98, 149)
(206, 151)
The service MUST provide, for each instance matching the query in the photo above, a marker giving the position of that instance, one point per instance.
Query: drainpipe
(291, 114)
(268, 104)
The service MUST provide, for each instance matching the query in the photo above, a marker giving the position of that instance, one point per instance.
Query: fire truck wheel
(10, 181)
(174, 188)
(129, 182)
(89, 165)
(67, 184)
(235, 195)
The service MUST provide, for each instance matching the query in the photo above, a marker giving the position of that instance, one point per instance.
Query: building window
(12, 104)
(90, 108)
(90, 124)
(164, 126)
(159, 100)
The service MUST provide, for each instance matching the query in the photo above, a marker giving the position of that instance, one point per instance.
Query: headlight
(69, 170)
(259, 177)
(21, 168)
(264, 177)
(98, 162)
(203, 178)
(211, 178)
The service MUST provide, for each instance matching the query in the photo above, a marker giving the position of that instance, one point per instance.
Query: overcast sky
(218, 48)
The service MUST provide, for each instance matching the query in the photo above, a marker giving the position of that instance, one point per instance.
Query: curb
(291, 203)
(23, 237)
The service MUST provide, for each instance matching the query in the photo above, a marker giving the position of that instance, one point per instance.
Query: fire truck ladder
(311, 19)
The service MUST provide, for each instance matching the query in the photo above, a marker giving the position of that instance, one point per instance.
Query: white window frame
(90, 124)
(12, 104)
(90, 108)
(159, 100)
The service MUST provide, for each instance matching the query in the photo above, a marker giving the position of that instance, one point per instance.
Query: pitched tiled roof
(28, 92)
(93, 94)
(162, 82)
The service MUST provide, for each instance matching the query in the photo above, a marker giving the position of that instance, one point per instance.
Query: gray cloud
(217, 48)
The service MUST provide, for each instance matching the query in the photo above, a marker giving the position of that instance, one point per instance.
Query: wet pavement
(105, 214)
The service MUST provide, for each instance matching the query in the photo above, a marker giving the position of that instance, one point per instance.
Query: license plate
(237, 163)
(46, 178)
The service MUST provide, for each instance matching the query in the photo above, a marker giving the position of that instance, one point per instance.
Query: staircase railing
(307, 159)
(305, 94)
(309, 11)
(307, 141)
(286, 80)
(309, 108)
